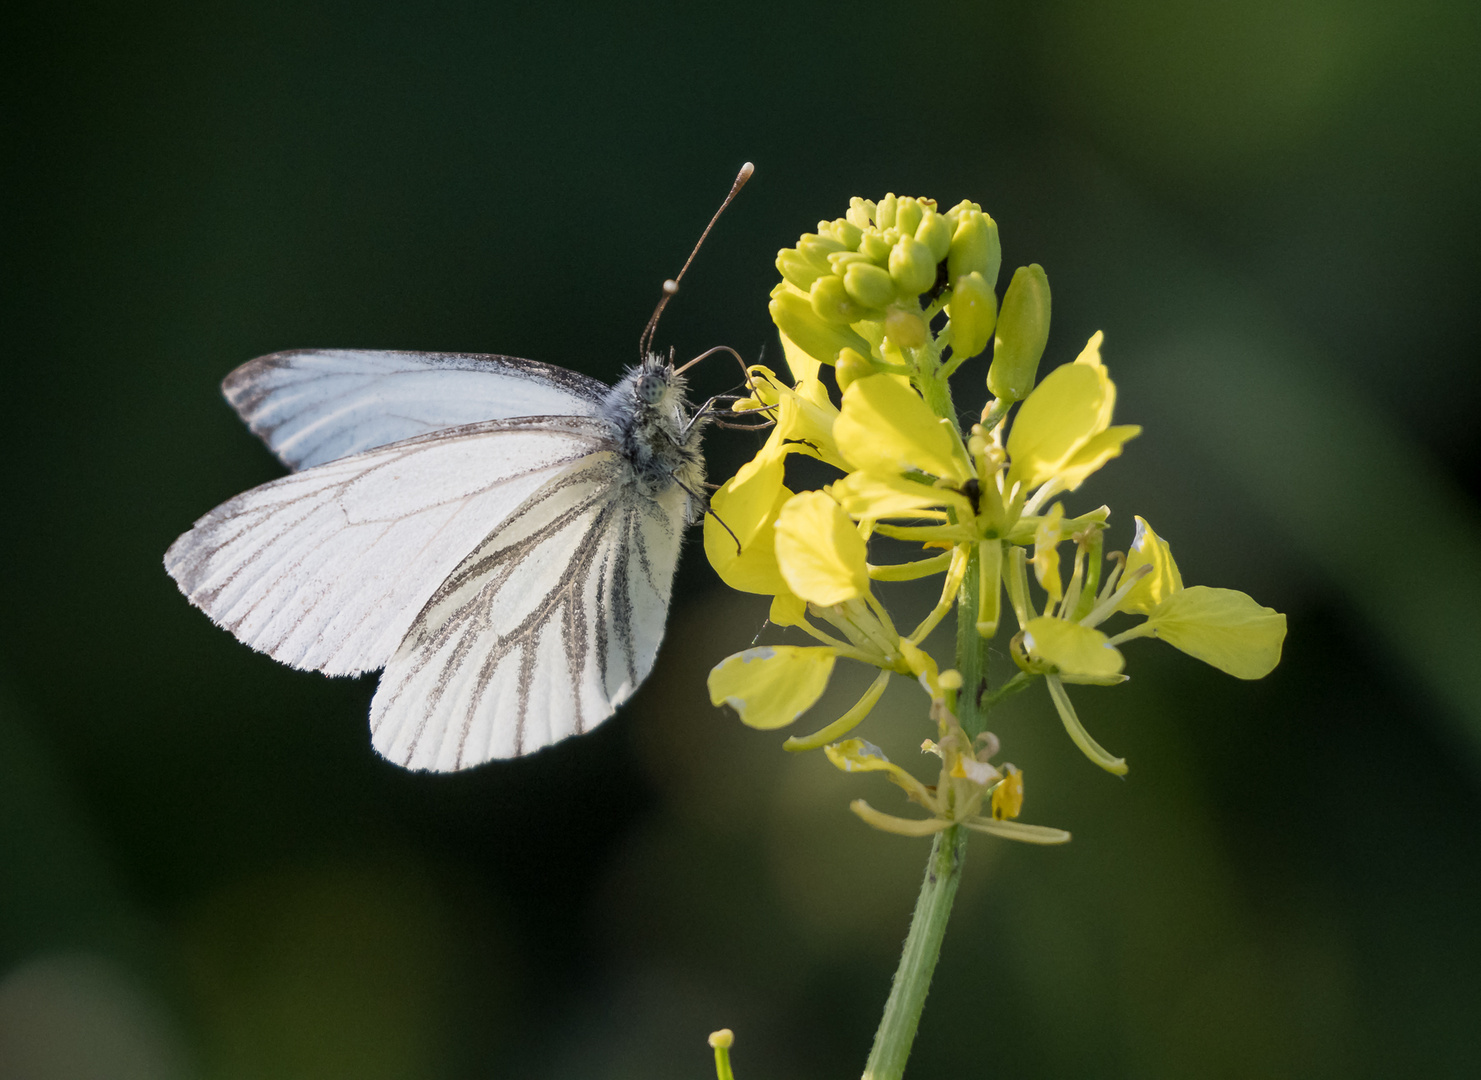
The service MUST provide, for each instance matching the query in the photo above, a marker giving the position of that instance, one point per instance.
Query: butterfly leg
(704, 500)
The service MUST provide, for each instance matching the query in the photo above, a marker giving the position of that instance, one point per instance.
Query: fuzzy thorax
(650, 414)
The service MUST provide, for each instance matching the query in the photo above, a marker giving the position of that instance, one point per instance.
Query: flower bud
(850, 367)
(839, 261)
(876, 247)
(801, 270)
(908, 214)
(793, 315)
(884, 214)
(975, 247)
(846, 232)
(912, 267)
(905, 329)
(1023, 331)
(868, 284)
(973, 311)
(813, 245)
(935, 232)
(832, 303)
(861, 212)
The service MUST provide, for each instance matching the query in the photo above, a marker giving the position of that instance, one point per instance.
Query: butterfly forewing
(316, 405)
(542, 631)
(326, 569)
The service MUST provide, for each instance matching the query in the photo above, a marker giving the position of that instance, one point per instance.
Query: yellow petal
(787, 610)
(1090, 356)
(874, 495)
(802, 366)
(822, 557)
(1072, 648)
(1095, 452)
(885, 427)
(860, 755)
(748, 503)
(806, 427)
(772, 685)
(1162, 581)
(1064, 412)
(1047, 535)
(1222, 627)
(923, 667)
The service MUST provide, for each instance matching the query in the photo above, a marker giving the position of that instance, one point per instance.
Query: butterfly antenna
(671, 286)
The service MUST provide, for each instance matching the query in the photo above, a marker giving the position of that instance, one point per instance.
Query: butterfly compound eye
(651, 388)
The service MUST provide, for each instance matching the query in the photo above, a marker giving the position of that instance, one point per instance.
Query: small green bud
(966, 206)
(1023, 331)
(906, 329)
(846, 233)
(832, 303)
(861, 212)
(839, 261)
(912, 267)
(884, 214)
(935, 232)
(801, 270)
(794, 316)
(821, 246)
(973, 310)
(868, 284)
(975, 248)
(851, 366)
(908, 213)
(876, 247)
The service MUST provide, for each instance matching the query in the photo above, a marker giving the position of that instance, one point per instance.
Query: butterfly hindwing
(316, 405)
(542, 631)
(327, 568)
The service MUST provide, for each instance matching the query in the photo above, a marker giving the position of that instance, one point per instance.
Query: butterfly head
(656, 386)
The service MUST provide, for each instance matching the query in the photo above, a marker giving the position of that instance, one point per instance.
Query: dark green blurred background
(1270, 208)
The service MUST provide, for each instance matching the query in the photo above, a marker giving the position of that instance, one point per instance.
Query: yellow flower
(1221, 627)
(1224, 628)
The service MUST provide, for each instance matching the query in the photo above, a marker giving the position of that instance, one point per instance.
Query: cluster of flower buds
(861, 293)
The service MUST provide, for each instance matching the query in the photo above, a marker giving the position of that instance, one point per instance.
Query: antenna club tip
(747, 169)
(670, 287)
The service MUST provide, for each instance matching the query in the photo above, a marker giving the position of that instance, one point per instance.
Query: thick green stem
(896, 1032)
(918, 962)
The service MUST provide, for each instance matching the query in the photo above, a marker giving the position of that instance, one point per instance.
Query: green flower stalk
(896, 297)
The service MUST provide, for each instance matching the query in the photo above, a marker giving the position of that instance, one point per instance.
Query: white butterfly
(499, 535)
